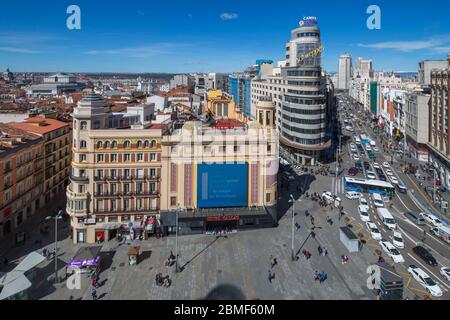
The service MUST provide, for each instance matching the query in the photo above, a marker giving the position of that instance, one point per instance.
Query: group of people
(163, 281)
(306, 254)
(322, 251)
(170, 260)
(273, 263)
(321, 277)
(94, 285)
(344, 259)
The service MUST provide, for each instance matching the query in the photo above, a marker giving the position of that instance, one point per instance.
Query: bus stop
(349, 239)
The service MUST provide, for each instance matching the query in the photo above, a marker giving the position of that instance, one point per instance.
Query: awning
(14, 287)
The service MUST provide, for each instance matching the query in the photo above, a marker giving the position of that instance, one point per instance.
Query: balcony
(108, 194)
(147, 193)
(99, 178)
(79, 179)
(71, 195)
(153, 178)
(126, 178)
(118, 211)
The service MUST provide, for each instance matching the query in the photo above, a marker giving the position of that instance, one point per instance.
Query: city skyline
(218, 37)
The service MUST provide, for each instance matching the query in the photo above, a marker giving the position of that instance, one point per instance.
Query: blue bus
(369, 186)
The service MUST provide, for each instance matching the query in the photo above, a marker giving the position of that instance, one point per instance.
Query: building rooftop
(39, 125)
(12, 138)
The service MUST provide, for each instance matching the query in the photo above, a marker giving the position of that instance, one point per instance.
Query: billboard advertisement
(222, 185)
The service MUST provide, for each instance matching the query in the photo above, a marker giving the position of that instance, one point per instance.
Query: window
(83, 144)
(153, 144)
(125, 218)
(153, 172)
(100, 157)
(267, 197)
(139, 187)
(126, 157)
(126, 188)
(113, 188)
(173, 201)
(114, 144)
(113, 173)
(140, 173)
(107, 144)
(83, 125)
(126, 173)
(113, 204)
(127, 144)
(146, 144)
(139, 144)
(139, 204)
(100, 173)
(113, 157)
(152, 187)
(140, 157)
(82, 157)
(152, 156)
(99, 145)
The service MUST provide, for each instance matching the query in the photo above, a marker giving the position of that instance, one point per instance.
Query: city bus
(369, 186)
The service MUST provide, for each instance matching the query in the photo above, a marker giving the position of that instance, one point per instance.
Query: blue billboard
(222, 185)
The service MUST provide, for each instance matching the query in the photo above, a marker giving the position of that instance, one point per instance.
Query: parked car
(420, 276)
(352, 195)
(445, 272)
(376, 149)
(389, 172)
(401, 188)
(393, 179)
(329, 197)
(376, 165)
(425, 255)
(363, 201)
(386, 164)
(391, 251)
(356, 157)
(397, 240)
(353, 171)
(373, 230)
(366, 165)
(435, 222)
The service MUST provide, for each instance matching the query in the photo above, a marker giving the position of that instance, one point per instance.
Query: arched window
(146, 144)
(99, 145)
(153, 144)
(139, 144)
(83, 125)
(114, 144)
(106, 144)
(83, 144)
(127, 144)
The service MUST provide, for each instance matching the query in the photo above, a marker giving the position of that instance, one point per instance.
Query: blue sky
(213, 35)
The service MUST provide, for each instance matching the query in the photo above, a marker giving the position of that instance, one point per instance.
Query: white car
(425, 280)
(356, 157)
(376, 149)
(431, 219)
(368, 148)
(352, 145)
(374, 232)
(386, 165)
(391, 251)
(389, 172)
(393, 179)
(329, 197)
(376, 165)
(397, 240)
(353, 149)
(352, 195)
(363, 201)
(364, 213)
(371, 175)
(445, 272)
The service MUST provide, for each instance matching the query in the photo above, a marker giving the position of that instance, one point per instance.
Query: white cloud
(138, 52)
(408, 46)
(229, 16)
(18, 50)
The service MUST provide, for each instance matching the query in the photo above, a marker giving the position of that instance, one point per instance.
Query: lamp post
(177, 269)
(293, 222)
(56, 218)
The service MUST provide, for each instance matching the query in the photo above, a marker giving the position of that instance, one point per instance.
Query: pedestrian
(94, 294)
(297, 226)
(313, 234)
(312, 220)
(319, 248)
(271, 276)
(316, 275)
(271, 261)
(275, 262)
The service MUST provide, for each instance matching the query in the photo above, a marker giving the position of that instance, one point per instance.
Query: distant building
(181, 80)
(160, 102)
(239, 86)
(345, 72)
(417, 122)
(206, 81)
(425, 68)
(56, 84)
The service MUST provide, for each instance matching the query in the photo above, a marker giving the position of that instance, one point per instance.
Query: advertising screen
(222, 185)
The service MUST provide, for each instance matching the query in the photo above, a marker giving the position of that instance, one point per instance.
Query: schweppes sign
(310, 54)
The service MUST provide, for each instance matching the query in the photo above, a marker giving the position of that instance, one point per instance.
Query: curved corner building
(304, 111)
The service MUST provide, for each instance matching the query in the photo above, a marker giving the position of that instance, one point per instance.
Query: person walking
(312, 220)
(316, 275)
(325, 252)
(320, 250)
(271, 276)
(94, 293)
(297, 225)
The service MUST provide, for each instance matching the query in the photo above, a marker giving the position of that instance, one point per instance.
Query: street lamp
(292, 200)
(56, 218)
(177, 269)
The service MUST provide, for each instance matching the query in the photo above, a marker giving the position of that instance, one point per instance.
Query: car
(374, 232)
(352, 145)
(376, 165)
(378, 200)
(425, 255)
(363, 201)
(329, 197)
(353, 150)
(393, 179)
(364, 213)
(391, 251)
(368, 148)
(420, 276)
(366, 165)
(389, 172)
(445, 272)
(353, 171)
(386, 164)
(397, 240)
(401, 188)
(352, 195)
(376, 149)
(356, 157)
(435, 222)
(371, 175)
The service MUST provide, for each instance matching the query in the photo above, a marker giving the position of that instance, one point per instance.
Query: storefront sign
(227, 218)
(80, 263)
(89, 221)
(310, 54)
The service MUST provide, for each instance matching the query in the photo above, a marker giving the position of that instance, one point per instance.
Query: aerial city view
(224, 150)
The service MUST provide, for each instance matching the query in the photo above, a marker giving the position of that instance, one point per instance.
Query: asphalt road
(412, 234)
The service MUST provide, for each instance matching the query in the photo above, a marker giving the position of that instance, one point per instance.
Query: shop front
(225, 223)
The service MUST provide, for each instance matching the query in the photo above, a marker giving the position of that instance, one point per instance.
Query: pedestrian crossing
(340, 186)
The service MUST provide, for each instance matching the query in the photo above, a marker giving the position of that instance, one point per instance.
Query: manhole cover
(122, 264)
